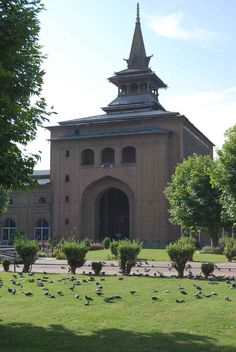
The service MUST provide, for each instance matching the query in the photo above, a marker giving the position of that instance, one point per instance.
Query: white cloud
(212, 112)
(171, 26)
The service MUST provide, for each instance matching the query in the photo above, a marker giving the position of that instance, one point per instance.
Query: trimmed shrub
(6, 264)
(207, 269)
(230, 249)
(27, 251)
(58, 254)
(184, 240)
(97, 267)
(128, 252)
(95, 246)
(106, 242)
(114, 248)
(224, 240)
(88, 242)
(75, 253)
(179, 254)
(212, 250)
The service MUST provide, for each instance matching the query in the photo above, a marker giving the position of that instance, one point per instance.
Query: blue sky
(193, 43)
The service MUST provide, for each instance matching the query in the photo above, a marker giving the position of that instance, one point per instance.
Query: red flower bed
(95, 246)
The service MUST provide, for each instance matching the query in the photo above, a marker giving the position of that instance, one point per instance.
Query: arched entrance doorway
(113, 214)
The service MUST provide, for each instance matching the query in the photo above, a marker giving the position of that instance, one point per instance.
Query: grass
(157, 255)
(134, 323)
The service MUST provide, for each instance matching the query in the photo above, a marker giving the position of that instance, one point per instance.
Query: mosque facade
(108, 172)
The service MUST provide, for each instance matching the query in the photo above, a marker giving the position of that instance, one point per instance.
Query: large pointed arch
(91, 198)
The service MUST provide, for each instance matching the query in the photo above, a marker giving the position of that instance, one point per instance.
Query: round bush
(179, 254)
(207, 269)
(97, 267)
(212, 250)
(128, 252)
(106, 242)
(27, 251)
(6, 264)
(114, 248)
(75, 253)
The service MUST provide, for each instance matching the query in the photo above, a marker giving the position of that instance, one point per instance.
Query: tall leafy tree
(22, 109)
(4, 198)
(224, 175)
(194, 201)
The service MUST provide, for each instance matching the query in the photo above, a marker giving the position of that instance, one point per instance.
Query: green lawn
(155, 254)
(134, 323)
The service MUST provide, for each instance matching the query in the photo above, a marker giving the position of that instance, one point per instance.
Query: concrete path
(111, 267)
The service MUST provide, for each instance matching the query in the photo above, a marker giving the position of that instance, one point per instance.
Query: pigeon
(88, 298)
(198, 295)
(120, 278)
(197, 287)
(226, 298)
(132, 292)
(179, 300)
(117, 297)
(183, 292)
(77, 295)
(99, 293)
(60, 293)
(40, 284)
(155, 298)
(154, 290)
(86, 303)
(11, 290)
(29, 294)
(51, 296)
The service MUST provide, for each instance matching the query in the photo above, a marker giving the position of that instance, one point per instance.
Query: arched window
(67, 221)
(87, 157)
(108, 157)
(41, 230)
(67, 199)
(67, 178)
(8, 230)
(67, 153)
(129, 155)
(42, 200)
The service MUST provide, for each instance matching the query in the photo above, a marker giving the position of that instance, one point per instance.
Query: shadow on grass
(28, 338)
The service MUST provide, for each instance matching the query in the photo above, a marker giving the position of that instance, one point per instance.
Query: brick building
(108, 172)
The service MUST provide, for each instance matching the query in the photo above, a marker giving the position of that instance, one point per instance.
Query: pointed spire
(137, 57)
(137, 17)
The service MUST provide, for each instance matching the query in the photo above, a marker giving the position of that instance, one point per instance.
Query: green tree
(194, 201)
(4, 199)
(224, 175)
(22, 109)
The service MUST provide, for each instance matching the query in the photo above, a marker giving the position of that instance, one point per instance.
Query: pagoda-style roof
(137, 84)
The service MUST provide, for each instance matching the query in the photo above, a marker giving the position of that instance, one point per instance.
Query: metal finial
(137, 18)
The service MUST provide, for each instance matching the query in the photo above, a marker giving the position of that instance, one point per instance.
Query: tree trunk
(215, 238)
(72, 269)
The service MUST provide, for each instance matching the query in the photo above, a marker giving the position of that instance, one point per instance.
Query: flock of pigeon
(16, 285)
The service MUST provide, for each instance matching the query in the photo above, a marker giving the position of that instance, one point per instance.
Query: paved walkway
(111, 267)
